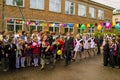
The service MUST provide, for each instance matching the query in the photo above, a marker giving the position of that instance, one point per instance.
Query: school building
(116, 15)
(38, 14)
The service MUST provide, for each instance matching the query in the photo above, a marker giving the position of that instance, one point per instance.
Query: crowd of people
(111, 51)
(22, 49)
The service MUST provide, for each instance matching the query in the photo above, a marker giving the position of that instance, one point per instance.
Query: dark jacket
(12, 50)
(106, 49)
(118, 49)
(69, 44)
(2, 51)
(99, 41)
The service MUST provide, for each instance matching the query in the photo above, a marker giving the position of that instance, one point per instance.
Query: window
(92, 12)
(14, 25)
(69, 7)
(79, 30)
(116, 19)
(100, 14)
(55, 5)
(91, 29)
(37, 4)
(68, 29)
(81, 10)
(36, 25)
(15, 2)
(55, 28)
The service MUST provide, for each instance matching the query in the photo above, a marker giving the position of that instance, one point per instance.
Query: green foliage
(98, 33)
(117, 32)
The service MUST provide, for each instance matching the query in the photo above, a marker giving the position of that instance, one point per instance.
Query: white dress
(77, 46)
(93, 45)
(86, 44)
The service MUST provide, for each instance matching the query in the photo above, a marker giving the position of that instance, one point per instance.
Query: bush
(100, 33)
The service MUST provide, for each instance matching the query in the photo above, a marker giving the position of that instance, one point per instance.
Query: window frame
(37, 5)
(94, 12)
(80, 11)
(36, 26)
(16, 5)
(69, 12)
(57, 11)
(99, 14)
(69, 29)
(91, 29)
(14, 24)
(54, 26)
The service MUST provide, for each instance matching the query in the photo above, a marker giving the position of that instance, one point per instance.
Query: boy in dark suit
(12, 54)
(68, 47)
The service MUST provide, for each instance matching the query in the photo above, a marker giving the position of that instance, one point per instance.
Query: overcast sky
(112, 3)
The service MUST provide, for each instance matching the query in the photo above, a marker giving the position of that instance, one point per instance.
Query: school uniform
(36, 52)
(18, 54)
(29, 53)
(77, 45)
(113, 55)
(106, 55)
(23, 54)
(4, 58)
(87, 46)
(12, 56)
(44, 54)
(68, 47)
(118, 55)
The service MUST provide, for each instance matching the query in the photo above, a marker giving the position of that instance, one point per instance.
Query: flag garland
(99, 26)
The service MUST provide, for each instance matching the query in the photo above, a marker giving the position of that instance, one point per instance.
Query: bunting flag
(117, 26)
(70, 25)
(88, 25)
(113, 24)
(99, 27)
(91, 25)
(76, 25)
(83, 26)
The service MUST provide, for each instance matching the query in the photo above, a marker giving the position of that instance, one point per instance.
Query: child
(24, 53)
(4, 56)
(45, 48)
(35, 51)
(18, 53)
(29, 51)
(93, 45)
(77, 46)
(12, 54)
(106, 55)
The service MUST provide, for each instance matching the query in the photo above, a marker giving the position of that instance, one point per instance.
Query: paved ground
(86, 69)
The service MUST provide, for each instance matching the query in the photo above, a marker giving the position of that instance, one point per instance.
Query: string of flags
(83, 26)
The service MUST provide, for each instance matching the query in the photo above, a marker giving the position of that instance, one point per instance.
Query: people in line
(37, 49)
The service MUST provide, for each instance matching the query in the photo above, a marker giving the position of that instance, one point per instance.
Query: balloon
(64, 25)
(70, 25)
(59, 52)
(108, 25)
(83, 27)
(28, 23)
(99, 27)
(104, 24)
(117, 26)
(114, 24)
(88, 25)
(91, 25)
(76, 25)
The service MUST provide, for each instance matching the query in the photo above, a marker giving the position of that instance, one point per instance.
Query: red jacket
(36, 48)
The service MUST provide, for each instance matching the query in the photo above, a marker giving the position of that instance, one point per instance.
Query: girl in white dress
(93, 45)
(77, 46)
(86, 45)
